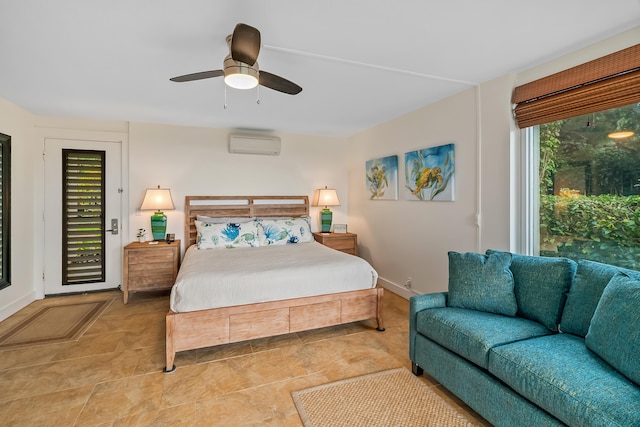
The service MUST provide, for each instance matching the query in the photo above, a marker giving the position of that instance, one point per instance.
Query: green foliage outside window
(590, 188)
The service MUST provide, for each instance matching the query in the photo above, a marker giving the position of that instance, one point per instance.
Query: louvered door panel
(83, 217)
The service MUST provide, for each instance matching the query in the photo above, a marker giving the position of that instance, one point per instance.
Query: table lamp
(327, 197)
(158, 199)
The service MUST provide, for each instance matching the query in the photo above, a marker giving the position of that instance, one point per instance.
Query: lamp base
(325, 220)
(158, 225)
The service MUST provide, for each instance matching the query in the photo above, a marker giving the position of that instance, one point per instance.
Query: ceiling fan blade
(198, 76)
(279, 83)
(245, 44)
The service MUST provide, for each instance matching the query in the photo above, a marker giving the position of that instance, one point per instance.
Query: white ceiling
(360, 62)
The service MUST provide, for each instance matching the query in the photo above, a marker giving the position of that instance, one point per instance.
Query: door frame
(51, 128)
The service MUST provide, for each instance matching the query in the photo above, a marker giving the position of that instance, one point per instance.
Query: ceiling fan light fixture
(240, 68)
(241, 81)
(239, 75)
(620, 134)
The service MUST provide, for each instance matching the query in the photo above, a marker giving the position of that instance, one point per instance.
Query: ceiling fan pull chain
(225, 96)
(258, 94)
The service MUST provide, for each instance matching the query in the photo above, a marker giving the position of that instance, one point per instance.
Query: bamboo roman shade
(608, 82)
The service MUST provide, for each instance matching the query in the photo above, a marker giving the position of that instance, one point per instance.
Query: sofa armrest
(418, 303)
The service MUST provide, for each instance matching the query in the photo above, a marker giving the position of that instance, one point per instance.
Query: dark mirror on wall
(5, 210)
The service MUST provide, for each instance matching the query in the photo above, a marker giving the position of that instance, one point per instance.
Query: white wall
(410, 238)
(18, 124)
(196, 161)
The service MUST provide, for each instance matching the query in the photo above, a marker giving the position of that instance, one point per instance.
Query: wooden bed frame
(206, 328)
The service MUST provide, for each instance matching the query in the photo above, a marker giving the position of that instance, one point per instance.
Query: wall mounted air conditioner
(254, 144)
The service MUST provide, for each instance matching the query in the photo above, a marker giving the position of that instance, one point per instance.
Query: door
(82, 216)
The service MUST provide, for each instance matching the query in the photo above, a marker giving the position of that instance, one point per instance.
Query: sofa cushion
(584, 295)
(541, 286)
(482, 282)
(558, 373)
(614, 334)
(472, 333)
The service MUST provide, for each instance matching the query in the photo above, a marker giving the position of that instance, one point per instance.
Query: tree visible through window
(5, 210)
(589, 176)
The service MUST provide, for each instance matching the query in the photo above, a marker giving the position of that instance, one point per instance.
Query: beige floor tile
(59, 408)
(112, 375)
(34, 380)
(176, 416)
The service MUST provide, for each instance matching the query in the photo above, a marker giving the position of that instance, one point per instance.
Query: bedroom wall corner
(409, 238)
(498, 188)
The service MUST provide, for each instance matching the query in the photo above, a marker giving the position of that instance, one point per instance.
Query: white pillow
(232, 235)
(284, 231)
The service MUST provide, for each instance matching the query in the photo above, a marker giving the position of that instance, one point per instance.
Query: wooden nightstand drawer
(151, 282)
(344, 242)
(160, 256)
(149, 267)
(341, 244)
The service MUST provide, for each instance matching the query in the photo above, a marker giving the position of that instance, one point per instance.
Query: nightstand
(344, 242)
(149, 267)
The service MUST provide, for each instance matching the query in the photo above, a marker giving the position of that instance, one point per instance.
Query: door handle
(114, 226)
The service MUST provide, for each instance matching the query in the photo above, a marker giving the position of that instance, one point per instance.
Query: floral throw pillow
(284, 231)
(231, 235)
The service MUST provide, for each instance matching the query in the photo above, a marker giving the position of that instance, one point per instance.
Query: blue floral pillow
(232, 235)
(284, 231)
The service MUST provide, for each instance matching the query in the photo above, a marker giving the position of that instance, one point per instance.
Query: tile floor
(112, 375)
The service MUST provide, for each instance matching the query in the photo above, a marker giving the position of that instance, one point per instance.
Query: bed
(203, 321)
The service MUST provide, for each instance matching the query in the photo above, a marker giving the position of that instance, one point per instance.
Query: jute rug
(54, 324)
(388, 398)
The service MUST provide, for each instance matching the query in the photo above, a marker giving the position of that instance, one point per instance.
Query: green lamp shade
(158, 225)
(325, 220)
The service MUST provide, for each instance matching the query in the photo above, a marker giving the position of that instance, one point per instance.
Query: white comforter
(225, 277)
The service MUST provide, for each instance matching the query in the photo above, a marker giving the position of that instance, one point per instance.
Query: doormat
(54, 324)
(388, 398)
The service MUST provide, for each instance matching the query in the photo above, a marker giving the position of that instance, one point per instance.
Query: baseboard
(403, 291)
(17, 305)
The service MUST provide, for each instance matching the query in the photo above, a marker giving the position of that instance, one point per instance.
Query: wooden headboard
(239, 206)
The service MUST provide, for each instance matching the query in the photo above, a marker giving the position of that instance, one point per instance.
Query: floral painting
(429, 173)
(382, 178)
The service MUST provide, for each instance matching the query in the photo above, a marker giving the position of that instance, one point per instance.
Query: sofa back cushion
(584, 295)
(614, 333)
(541, 286)
(482, 282)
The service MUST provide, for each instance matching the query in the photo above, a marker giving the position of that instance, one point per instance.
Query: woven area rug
(54, 324)
(388, 398)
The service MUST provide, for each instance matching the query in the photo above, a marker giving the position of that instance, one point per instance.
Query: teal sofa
(533, 341)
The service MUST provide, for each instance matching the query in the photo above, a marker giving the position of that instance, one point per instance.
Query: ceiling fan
(241, 69)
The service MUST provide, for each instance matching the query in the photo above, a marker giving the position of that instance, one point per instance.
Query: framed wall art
(382, 178)
(429, 173)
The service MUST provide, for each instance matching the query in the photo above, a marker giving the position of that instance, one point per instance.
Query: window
(5, 210)
(582, 181)
(589, 187)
